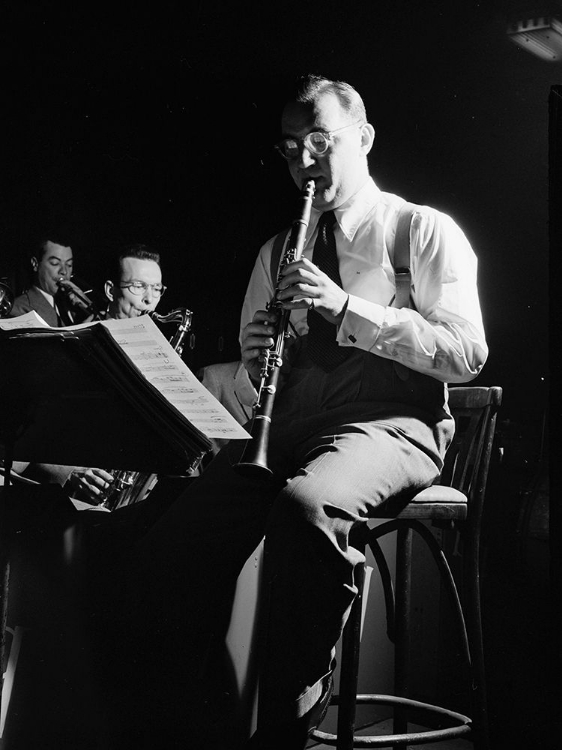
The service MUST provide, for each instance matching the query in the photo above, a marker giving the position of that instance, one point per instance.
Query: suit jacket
(219, 379)
(32, 299)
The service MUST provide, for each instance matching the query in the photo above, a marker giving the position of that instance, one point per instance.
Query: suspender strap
(402, 273)
(401, 262)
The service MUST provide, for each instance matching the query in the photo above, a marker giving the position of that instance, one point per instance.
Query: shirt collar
(351, 213)
(49, 297)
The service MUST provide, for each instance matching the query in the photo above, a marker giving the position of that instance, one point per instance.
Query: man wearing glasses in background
(135, 286)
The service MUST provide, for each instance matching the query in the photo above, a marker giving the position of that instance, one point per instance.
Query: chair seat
(432, 503)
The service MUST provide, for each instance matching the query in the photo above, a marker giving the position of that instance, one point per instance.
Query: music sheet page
(27, 320)
(154, 356)
(147, 348)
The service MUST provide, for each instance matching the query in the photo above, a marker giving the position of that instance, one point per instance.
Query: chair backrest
(468, 458)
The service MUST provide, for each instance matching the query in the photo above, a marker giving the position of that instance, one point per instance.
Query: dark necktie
(322, 346)
(62, 310)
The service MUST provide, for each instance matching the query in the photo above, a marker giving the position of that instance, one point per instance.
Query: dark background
(155, 122)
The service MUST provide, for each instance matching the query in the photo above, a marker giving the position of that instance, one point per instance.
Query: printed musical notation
(154, 356)
(160, 367)
(167, 379)
(27, 320)
(144, 355)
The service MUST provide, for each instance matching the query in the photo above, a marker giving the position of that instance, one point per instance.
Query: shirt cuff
(361, 324)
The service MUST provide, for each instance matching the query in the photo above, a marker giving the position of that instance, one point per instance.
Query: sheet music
(32, 319)
(147, 348)
(27, 320)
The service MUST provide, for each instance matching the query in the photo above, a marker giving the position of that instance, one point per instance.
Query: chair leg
(474, 625)
(350, 668)
(403, 605)
(387, 586)
(471, 622)
(4, 587)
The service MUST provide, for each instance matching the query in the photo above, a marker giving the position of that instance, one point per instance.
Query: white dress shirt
(443, 336)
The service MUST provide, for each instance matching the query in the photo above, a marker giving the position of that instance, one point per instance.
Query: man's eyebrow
(293, 137)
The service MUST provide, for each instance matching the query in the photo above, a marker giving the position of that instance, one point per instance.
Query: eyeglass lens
(139, 287)
(315, 142)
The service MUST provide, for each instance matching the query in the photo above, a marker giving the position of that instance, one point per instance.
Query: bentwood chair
(457, 500)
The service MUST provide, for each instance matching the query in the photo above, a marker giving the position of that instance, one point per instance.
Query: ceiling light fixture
(542, 36)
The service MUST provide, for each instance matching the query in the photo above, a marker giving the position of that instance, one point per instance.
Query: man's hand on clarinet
(304, 285)
(257, 336)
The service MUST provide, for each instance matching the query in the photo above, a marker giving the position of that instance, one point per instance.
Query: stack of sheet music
(110, 393)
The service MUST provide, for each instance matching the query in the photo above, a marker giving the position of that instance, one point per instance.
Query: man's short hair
(309, 87)
(57, 237)
(140, 251)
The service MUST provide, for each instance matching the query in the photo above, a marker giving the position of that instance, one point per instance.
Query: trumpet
(6, 299)
(78, 299)
(253, 462)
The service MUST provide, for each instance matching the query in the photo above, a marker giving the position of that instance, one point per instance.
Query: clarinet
(253, 462)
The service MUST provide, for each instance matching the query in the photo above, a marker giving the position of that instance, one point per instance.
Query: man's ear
(367, 137)
(108, 289)
(34, 264)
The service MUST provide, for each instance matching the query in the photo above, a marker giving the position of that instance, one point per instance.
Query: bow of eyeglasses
(141, 287)
(317, 142)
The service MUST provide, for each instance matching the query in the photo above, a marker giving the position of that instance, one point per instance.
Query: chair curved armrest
(437, 493)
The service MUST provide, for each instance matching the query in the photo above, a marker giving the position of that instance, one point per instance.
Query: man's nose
(148, 295)
(306, 158)
(65, 273)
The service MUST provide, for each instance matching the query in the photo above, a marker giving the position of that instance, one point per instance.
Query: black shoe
(293, 735)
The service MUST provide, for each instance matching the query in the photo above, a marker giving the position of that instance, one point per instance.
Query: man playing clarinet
(361, 415)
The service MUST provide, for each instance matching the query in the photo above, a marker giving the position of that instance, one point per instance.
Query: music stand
(72, 397)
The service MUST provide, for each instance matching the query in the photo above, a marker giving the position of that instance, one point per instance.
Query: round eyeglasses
(141, 287)
(317, 142)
